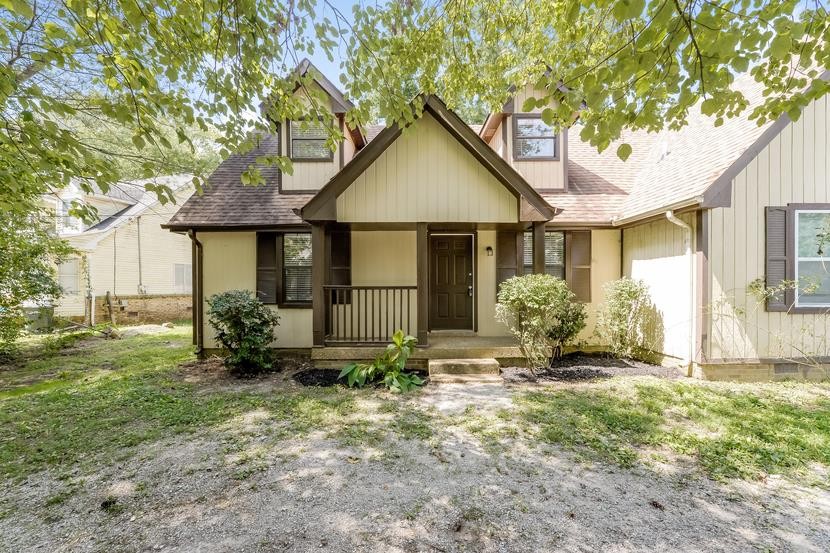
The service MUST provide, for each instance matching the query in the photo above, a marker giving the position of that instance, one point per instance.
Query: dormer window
(533, 139)
(307, 141)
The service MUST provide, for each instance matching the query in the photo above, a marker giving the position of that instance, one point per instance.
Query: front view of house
(415, 228)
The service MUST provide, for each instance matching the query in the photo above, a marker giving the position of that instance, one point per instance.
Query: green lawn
(89, 404)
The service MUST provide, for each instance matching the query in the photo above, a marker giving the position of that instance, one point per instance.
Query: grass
(733, 430)
(94, 405)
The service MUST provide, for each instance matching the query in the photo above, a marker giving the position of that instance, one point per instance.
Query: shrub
(245, 327)
(541, 312)
(628, 322)
(389, 366)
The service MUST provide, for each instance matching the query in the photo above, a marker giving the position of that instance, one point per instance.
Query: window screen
(308, 141)
(554, 254)
(533, 139)
(297, 268)
(812, 267)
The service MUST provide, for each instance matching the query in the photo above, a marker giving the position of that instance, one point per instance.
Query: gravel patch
(447, 495)
(581, 367)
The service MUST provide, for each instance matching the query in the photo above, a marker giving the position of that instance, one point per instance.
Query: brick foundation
(762, 372)
(145, 309)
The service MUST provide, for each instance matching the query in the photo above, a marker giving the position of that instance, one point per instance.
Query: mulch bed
(580, 367)
(316, 377)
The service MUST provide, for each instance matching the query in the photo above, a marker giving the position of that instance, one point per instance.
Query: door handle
(470, 291)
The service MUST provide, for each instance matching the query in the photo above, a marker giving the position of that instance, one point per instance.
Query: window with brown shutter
(578, 263)
(508, 255)
(777, 261)
(266, 267)
(339, 244)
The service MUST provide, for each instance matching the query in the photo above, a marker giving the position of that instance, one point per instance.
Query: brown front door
(451, 282)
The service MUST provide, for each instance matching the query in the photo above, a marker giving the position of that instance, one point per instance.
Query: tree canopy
(161, 70)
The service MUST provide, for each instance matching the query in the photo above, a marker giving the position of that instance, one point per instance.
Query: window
(182, 278)
(533, 139)
(65, 221)
(297, 268)
(307, 141)
(812, 263)
(69, 277)
(283, 268)
(554, 254)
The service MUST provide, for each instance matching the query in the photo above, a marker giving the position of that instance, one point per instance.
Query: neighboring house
(416, 230)
(146, 270)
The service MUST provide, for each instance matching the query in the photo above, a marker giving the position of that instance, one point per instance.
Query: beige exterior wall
(543, 175)
(486, 283)
(656, 253)
(793, 168)
(229, 263)
(427, 175)
(605, 267)
(112, 264)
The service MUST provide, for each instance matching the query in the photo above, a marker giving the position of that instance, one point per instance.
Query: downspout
(196, 268)
(138, 239)
(690, 256)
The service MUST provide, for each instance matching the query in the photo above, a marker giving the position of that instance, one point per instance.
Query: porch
(437, 282)
(503, 349)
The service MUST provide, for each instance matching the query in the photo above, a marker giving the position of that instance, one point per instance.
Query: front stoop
(466, 379)
(477, 367)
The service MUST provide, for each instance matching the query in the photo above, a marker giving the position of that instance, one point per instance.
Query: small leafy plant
(245, 327)
(542, 313)
(389, 366)
(628, 322)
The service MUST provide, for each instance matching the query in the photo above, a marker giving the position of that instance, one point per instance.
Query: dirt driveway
(391, 473)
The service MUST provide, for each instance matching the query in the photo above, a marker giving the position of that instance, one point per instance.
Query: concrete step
(466, 379)
(463, 366)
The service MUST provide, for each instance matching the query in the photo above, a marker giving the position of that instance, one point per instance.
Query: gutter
(658, 212)
(672, 218)
(197, 294)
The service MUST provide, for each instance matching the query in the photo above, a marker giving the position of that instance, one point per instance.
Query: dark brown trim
(339, 103)
(538, 248)
(342, 153)
(301, 227)
(322, 206)
(515, 128)
(318, 280)
(197, 257)
(564, 134)
(504, 139)
(290, 147)
(570, 266)
(422, 269)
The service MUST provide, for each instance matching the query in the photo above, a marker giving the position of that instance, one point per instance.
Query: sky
(328, 68)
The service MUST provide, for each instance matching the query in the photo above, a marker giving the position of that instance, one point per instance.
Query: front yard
(131, 445)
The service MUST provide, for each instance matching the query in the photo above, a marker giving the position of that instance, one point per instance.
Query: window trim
(279, 268)
(77, 262)
(796, 211)
(290, 143)
(530, 249)
(515, 137)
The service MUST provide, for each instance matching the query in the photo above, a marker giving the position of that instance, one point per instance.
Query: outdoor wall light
(489, 251)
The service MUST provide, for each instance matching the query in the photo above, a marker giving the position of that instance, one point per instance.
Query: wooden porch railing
(369, 314)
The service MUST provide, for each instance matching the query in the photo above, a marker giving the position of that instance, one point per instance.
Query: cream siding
(486, 283)
(229, 263)
(605, 267)
(656, 253)
(427, 175)
(793, 168)
(309, 175)
(542, 175)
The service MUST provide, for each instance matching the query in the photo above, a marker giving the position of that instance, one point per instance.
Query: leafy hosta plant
(542, 313)
(245, 327)
(389, 366)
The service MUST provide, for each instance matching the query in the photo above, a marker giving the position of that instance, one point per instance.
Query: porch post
(318, 279)
(539, 247)
(422, 268)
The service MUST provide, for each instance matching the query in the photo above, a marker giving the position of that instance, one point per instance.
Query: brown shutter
(339, 244)
(578, 263)
(777, 258)
(266, 267)
(508, 255)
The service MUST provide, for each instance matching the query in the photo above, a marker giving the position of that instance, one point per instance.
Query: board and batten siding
(542, 175)
(656, 253)
(427, 175)
(792, 168)
(229, 263)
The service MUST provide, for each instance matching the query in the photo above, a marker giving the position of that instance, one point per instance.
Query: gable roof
(322, 205)
(339, 103)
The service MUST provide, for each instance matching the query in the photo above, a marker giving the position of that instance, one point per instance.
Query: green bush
(543, 315)
(627, 322)
(389, 366)
(245, 327)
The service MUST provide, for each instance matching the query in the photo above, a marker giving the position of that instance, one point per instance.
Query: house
(126, 254)
(415, 228)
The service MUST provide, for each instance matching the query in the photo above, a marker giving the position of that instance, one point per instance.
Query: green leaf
(624, 151)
